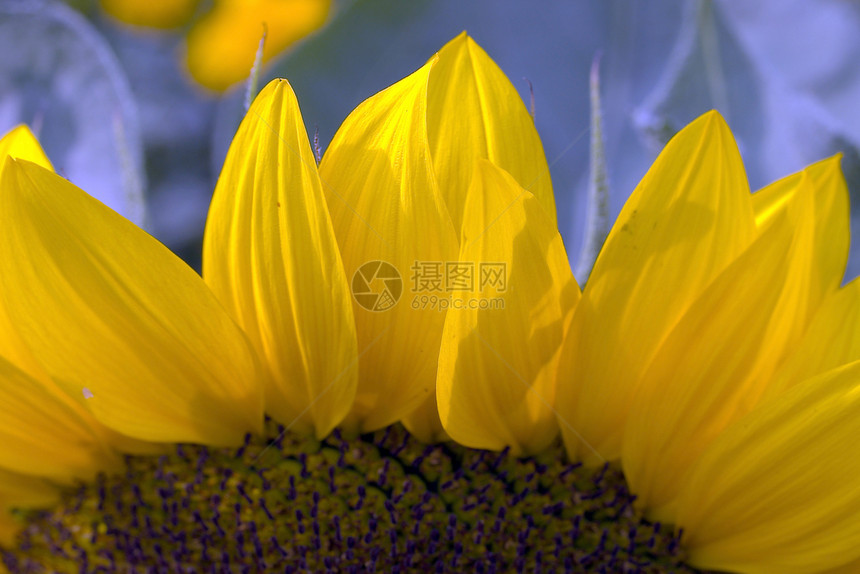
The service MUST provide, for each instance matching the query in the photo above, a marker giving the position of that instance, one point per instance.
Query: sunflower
(710, 357)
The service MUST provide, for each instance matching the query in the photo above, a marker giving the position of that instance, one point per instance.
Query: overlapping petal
(20, 143)
(722, 356)
(816, 199)
(688, 219)
(829, 212)
(473, 111)
(393, 212)
(271, 256)
(499, 356)
(119, 321)
(702, 375)
(43, 431)
(777, 492)
(831, 340)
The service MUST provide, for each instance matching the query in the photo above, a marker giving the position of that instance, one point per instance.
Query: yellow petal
(851, 567)
(832, 339)
(828, 209)
(705, 372)
(271, 256)
(89, 446)
(385, 206)
(106, 308)
(424, 423)
(10, 526)
(777, 491)
(497, 366)
(473, 111)
(686, 221)
(89, 452)
(20, 143)
(722, 355)
(42, 434)
(819, 205)
(222, 45)
(161, 14)
(807, 282)
(833, 219)
(94, 444)
(23, 491)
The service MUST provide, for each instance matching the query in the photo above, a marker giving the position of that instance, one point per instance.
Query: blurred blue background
(118, 116)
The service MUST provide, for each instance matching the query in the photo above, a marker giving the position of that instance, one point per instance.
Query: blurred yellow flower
(223, 41)
(168, 14)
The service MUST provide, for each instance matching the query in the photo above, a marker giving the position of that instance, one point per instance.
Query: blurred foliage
(58, 75)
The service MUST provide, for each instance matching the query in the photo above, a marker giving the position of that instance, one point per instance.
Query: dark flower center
(381, 502)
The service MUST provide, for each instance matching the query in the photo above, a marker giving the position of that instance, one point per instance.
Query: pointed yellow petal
(807, 281)
(818, 203)
(106, 308)
(832, 220)
(473, 111)
(271, 256)
(385, 206)
(497, 366)
(20, 143)
(686, 221)
(722, 355)
(705, 372)
(86, 451)
(87, 448)
(829, 211)
(222, 45)
(777, 491)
